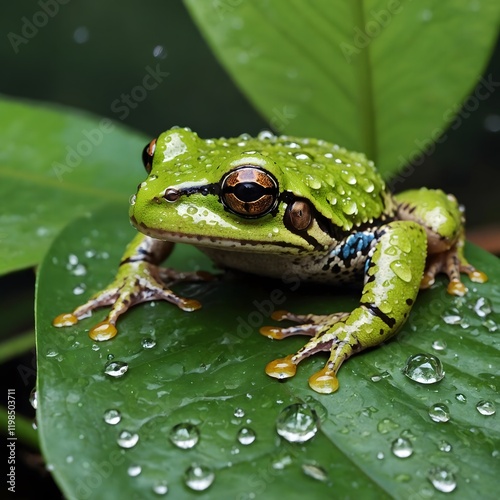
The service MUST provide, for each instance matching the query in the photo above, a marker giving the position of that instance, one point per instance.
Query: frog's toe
(277, 333)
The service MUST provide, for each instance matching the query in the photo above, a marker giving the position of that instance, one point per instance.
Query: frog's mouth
(224, 242)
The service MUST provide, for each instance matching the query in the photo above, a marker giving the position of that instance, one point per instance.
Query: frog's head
(240, 194)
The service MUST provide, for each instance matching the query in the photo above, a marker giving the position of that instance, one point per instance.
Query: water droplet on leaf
(116, 369)
(486, 408)
(439, 413)
(297, 423)
(184, 435)
(246, 436)
(442, 479)
(112, 417)
(127, 439)
(424, 368)
(402, 447)
(199, 477)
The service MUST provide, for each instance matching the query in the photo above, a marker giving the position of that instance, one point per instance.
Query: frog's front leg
(443, 220)
(393, 273)
(139, 279)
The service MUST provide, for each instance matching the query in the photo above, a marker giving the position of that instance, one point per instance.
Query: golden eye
(249, 191)
(147, 155)
(298, 215)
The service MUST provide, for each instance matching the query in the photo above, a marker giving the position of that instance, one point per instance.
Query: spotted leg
(392, 280)
(139, 279)
(443, 220)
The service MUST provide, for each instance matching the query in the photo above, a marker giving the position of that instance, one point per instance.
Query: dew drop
(246, 436)
(439, 413)
(439, 345)
(112, 417)
(442, 479)
(33, 398)
(482, 307)
(281, 461)
(445, 446)
(239, 413)
(303, 156)
(486, 408)
(315, 471)
(401, 447)
(127, 439)
(134, 470)
(160, 488)
(424, 368)
(159, 52)
(377, 377)
(452, 319)
(386, 425)
(461, 398)
(199, 477)
(349, 207)
(148, 343)
(490, 325)
(297, 423)
(401, 270)
(184, 435)
(266, 135)
(116, 369)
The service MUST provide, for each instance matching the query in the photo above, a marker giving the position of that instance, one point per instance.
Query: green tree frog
(273, 205)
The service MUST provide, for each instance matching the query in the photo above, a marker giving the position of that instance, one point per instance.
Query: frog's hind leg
(443, 219)
(392, 277)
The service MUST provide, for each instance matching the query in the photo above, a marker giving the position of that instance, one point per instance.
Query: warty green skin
(357, 233)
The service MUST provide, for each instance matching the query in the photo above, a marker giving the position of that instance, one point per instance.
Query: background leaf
(202, 374)
(54, 166)
(384, 78)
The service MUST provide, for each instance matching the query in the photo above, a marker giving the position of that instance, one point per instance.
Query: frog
(276, 204)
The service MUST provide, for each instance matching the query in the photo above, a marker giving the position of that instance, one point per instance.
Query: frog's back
(345, 186)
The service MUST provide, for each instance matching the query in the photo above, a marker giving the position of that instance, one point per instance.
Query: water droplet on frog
(116, 369)
(348, 177)
(442, 479)
(445, 446)
(439, 413)
(349, 207)
(239, 412)
(184, 435)
(199, 477)
(148, 343)
(134, 470)
(439, 345)
(482, 307)
(127, 439)
(161, 488)
(401, 270)
(303, 156)
(266, 135)
(112, 417)
(401, 447)
(313, 182)
(486, 408)
(315, 471)
(246, 436)
(132, 200)
(424, 368)
(297, 423)
(33, 398)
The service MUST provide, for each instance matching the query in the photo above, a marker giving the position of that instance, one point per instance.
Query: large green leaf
(382, 77)
(209, 363)
(55, 165)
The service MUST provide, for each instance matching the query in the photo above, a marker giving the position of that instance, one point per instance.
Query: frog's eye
(298, 215)
(249, 191)
(147, 155)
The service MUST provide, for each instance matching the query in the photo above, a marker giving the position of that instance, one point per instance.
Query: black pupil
(249, 191)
